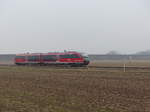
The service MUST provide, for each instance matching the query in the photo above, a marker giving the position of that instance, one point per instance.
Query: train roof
(49, 53)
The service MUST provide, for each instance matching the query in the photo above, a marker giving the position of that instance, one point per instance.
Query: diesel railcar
(65, 58)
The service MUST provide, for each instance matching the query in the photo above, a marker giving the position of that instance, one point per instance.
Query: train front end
(85, 58)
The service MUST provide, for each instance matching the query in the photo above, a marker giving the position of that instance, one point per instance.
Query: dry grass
(45, 89)
(120, 63)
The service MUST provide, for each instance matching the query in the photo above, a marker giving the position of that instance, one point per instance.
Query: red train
(65, 58)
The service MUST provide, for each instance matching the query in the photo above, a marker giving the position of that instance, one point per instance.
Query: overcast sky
(92, 26)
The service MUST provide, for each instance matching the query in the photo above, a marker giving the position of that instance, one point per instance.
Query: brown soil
(46, 89)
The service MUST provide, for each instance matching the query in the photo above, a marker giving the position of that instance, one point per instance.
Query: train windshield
(85, 56)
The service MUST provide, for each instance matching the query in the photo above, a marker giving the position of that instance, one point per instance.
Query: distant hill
(7, 58)
(147, 52)
(119, 57)
(113, 53)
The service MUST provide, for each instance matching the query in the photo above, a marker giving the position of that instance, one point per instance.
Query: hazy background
(92, 26)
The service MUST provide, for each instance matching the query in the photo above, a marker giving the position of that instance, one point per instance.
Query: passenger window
(20, 57)
(33, 58)
(49, 58)
(69, 56)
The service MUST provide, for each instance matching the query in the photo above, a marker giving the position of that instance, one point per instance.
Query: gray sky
(92, 26)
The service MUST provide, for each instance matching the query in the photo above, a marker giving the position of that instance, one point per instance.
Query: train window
(20, 57)
(69, 56)
(49, 58)
(33, 58)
